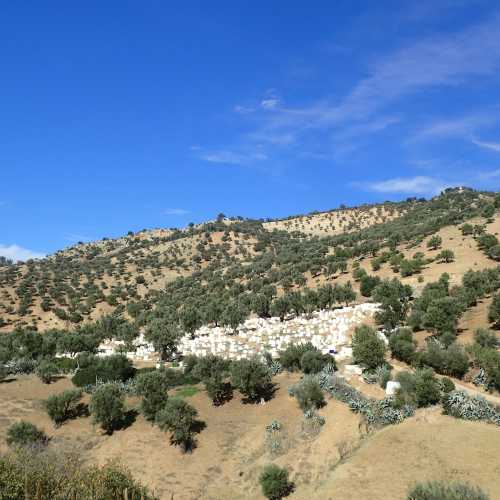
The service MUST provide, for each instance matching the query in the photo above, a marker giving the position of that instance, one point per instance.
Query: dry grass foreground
(231, 453)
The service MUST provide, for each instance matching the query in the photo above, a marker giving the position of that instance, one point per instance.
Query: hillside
(241, 316)
(86, 281)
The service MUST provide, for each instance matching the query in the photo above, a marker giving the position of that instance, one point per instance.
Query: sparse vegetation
(25, 434)
(439, 490)
(275, 483)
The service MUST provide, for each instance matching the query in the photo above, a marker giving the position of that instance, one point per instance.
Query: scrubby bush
(63, 406)
(53, 474)
(153, 387)
(434, 242)
(419, 389)
(402, 345)
(115, 367)
(308, 393)
(25, 434)
(276, 439)
(189, 363)
(494, 310)
(485, 338)
(275, 483)
(252, 378)
(447, 385)
(445, 256)
(179, 418)
(368, 349)
(394, 299)
(107, 407)
(46, 371)
(439, 490)
(315, 361)
(452, 361)
(489, 360)
(367, 285)
(312, 423)
(291, 357)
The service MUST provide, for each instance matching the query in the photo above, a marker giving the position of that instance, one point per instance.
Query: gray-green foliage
(179, 418)
(46, 371)
(252, 378)
(368, 349)
(376, 412)
(276, 438)
(308, 393)
(460, 405)
(63, 406)
(152, 387)
(24, 433)
(312, 423)
(439, 490)
(275, 483)
(107, 407)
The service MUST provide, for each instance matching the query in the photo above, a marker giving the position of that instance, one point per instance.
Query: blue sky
(118, 116)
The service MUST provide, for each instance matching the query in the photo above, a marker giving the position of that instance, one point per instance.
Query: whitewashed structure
(326, 329)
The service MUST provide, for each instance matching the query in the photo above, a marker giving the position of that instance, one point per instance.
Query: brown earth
(230, 452)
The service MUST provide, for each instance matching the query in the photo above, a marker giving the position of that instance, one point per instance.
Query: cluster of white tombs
(326, 329)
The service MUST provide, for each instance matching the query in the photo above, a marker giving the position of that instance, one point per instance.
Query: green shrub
(63, 406)
(418, 389)
(25, 434)
(290, 358)
(107, 407)
(308, 393)
(53, 474)
(46, 371)
(275, 483)
(367, 348)
(189, 363)
(439, 490)
(447, 385)
(434, 242)
(179, 418)
(485, 338)
(210, 366)
(494, 310)
(252, 378)
(368, 283)
(115, 367)
(65, 365)
(315, 361)
(402, 345)
(153, 387)
(446, 256)
(452, 360)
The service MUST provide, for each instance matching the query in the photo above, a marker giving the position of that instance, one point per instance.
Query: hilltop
(408, 290)
(88, 280)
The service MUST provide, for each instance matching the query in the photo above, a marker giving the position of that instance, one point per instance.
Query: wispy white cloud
(407, 185)
(487, 175)
(17, 253)
(269, 103)
(434, 62)
(494, 146)
(366, 128)
(243, 110)
(232, 158)
(461, 126)
(176, 211)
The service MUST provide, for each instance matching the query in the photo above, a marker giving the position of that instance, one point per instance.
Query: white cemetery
(326, 329)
